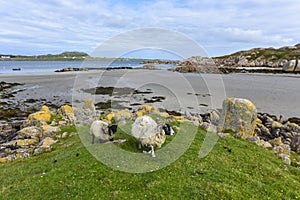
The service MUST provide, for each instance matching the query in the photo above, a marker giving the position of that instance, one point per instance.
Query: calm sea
(6, 67)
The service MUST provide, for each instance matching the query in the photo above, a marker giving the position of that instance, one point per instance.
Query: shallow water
(6, 67)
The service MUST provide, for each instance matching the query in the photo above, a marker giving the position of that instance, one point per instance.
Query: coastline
(271, 94)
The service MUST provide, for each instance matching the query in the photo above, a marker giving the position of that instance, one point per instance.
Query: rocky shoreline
(40, 130)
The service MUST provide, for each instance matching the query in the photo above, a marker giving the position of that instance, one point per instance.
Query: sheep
(148, 133)
(102, 131)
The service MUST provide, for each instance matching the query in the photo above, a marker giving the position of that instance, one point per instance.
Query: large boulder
(292, 66)
(67, 113)
(295, 144)
(238, 115)
(40, 117)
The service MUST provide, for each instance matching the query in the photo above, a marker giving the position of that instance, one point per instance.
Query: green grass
(71, 172)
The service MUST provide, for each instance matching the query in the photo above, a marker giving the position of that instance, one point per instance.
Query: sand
(196, 93)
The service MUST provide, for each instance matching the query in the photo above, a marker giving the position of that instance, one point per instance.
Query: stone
(214, 117)
(276, 142)
(295, 144)
(223, 135)
(50, 130)
(30, 132)
(292, 127)
(44, 115)
(285, 158)
(3, 160)
(67, 112)
(238, 115)
(123, 115)
(292, 66)
(254, 139)
(265, 144)
(45, 146)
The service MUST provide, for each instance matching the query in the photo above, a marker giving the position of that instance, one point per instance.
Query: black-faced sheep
(148, 133)
(102, 131)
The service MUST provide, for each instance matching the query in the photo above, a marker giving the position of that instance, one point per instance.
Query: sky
(34, 27)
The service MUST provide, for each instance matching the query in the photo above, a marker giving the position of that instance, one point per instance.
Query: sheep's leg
(152, 151)
(172, 132)
(93, 138)
(140, 145)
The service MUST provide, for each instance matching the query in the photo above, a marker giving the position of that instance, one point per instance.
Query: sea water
(6, 67)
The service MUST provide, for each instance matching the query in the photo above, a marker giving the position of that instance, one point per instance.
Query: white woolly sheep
(148, 133)
(102, 131)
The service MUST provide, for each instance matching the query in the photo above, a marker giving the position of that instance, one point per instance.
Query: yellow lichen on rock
(110, 116)
(146, 108)
(3, 160)
(45, 109)
(139, 113)
(47, 142)
(89, 104)
(239, 115)
(27, 142)
(47, 129)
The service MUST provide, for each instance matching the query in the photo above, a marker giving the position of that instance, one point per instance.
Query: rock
(262, 132)
(30, 132)
(285, 158)
(3, 160)
(45, 146)
(238, 115)
(214, 117)
(292, 127)
(292, 66)
(50, 130)
(89, 105)
(276, 142)
(254, 139)
(123, 115)
(65, 135)
(295, 144)
(223, 135)
(164, 114)
(265, 144)
(67, 112)
(27, 142)
(197, 64)
(42, 116)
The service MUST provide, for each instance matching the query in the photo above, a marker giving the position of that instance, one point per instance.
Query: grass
(234, 169)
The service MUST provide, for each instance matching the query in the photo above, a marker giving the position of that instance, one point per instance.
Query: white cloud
(250, 36)
(83, 24)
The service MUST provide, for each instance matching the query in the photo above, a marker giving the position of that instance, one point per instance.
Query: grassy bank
(235, 169)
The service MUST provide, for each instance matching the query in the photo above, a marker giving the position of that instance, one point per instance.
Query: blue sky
(221, 27)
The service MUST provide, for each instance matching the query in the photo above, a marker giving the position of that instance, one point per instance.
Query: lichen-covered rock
(50, 130)
(45, 146)
(238, 115)
(292, 65)
(285, 158)
(122, 115)
(42, 116)
(3, 160)
(67, 112)
(295, 143)
(30, 132)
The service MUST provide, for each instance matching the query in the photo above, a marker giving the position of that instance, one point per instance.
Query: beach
(189, 92)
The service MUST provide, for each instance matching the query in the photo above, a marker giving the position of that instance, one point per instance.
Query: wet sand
(274, 94)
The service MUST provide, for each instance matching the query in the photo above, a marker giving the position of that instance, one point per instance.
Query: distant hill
(260, 57)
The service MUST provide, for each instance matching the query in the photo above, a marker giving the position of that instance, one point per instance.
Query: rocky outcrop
(238, 115)
(292, 66)
(197, 64)
(35, 135)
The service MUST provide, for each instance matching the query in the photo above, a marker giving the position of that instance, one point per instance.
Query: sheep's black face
(167, 129)
(112, 129)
